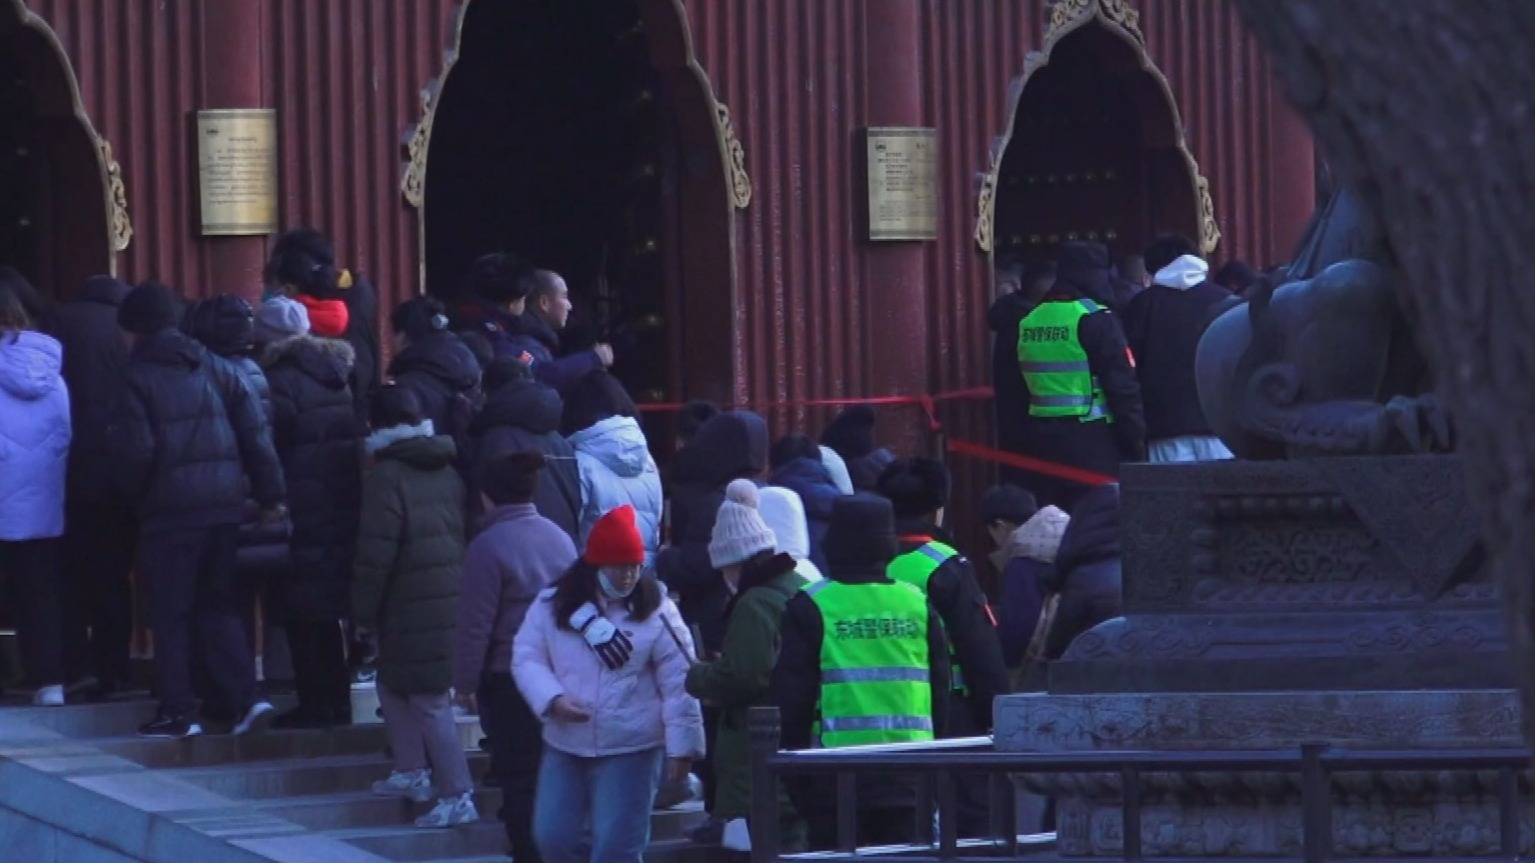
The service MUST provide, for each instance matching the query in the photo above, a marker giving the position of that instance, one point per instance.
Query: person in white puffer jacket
(602, 659)
(34, 452)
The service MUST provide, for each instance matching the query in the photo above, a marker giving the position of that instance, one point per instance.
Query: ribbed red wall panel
(345, 77)
(349, 75)
(790, 71)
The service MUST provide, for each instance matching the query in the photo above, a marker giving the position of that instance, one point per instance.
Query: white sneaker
(49, 696)
(451, 812)
(411, 785)
(256, 719)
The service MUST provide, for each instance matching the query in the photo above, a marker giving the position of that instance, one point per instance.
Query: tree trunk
(1429, 104)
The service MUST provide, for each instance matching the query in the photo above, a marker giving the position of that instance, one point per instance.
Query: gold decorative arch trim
(419, 141)
(1067, 17)
(735, 156)
(115, 194)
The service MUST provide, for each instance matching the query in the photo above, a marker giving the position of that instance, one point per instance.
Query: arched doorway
(63, 212)
(584, 136)
(1094, 147)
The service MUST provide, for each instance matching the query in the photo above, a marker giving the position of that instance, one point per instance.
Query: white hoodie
(784, 514)
(1186, 272)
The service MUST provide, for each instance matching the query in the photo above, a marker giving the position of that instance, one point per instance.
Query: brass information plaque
(903, 183)
(237, 171)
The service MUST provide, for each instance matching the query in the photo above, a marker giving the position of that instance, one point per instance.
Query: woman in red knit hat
(602, 659)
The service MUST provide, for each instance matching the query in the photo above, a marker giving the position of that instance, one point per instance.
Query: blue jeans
(611, 795)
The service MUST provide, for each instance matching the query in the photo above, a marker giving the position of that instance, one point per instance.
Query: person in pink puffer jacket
(602, 659)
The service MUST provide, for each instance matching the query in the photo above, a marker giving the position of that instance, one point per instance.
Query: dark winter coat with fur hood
(319, 440)
(410, 557)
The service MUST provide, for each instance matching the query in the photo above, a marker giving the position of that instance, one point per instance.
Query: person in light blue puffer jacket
(613, 458)
(34, 452)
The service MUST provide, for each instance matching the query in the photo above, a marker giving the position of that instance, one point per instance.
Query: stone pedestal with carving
(1270, 605)
(1221, 814)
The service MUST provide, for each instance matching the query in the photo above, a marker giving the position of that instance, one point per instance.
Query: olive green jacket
(410, 554)
(738, 681)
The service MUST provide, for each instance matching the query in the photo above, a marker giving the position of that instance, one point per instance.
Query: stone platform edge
(1232, 721)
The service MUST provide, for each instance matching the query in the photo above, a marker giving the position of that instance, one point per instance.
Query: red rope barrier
(1023, 462)
(929, 405)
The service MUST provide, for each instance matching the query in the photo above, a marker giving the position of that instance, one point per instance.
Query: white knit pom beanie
(739, 531)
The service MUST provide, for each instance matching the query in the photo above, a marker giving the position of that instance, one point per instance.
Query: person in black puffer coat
(797, 466)
(1087, 570)
(731, 446)
(186, 435)
(523, 415)
(226, 326)
(320, 442)
(1083, 267)
(850, 434)
(435, 365)
(100, 532)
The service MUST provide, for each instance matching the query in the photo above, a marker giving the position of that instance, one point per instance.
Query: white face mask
(611, 590)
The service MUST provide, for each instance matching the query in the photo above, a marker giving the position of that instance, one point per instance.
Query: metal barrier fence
(935, 765)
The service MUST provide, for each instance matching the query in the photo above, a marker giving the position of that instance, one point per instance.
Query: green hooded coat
(410, 554)
(739, 680)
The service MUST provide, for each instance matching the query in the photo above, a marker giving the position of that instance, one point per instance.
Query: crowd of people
(482, 527)
(1092, 370)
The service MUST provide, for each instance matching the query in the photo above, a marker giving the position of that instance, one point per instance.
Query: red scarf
(327, 318)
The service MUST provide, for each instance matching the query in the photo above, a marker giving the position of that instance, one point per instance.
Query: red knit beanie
(327, 318)
(615, 540)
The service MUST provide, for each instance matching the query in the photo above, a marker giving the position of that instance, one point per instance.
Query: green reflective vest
(1061, 384)
(874, 671)
(915, 568)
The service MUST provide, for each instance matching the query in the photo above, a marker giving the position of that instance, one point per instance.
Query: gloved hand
(610, 644)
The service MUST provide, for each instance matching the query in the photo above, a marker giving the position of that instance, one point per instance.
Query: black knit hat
(915, 486)
(1008, 503)
(500, 278)
(149, 309)
(225, 324)
(851, 432)
(861, 532)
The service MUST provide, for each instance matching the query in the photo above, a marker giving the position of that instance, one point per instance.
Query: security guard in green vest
(1084, 401)
(863, 660)
(918, 490)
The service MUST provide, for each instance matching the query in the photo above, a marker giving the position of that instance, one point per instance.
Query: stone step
(361, 809)
(88, 721)
(684, 851)
(484, 838)
(658, 852)
(315, 776)
(212, 750)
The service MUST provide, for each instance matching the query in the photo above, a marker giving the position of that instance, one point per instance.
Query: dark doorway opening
(55, 211)
(1095, 152)
(575, 133)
